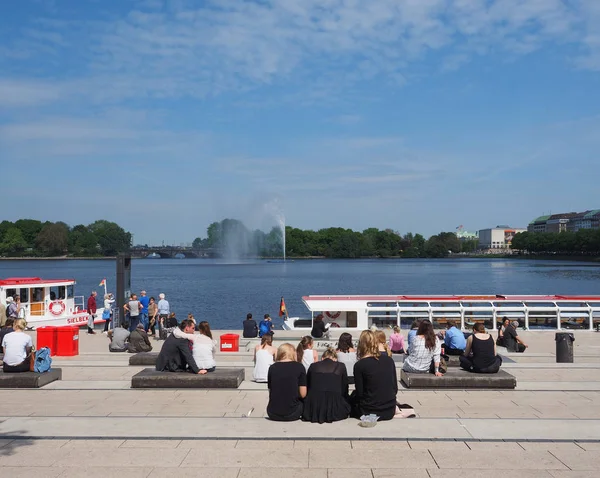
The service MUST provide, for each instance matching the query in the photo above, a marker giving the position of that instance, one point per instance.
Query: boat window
(479, 316)
(572, 305)
(37, 294)
(70, 291)
(11, 292)
(476, 304)
(508, 304)
(382, 304)
(413, 304)
(382, 319)
(445, 304)
(58, 292)
(575, 319)
(352, 319)
(594, 304)
(540, 304)
(542, 319)
(24, 294)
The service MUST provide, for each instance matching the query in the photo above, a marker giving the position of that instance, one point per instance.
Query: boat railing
(78, 304)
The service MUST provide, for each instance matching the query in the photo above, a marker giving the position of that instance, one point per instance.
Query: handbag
(106, 314)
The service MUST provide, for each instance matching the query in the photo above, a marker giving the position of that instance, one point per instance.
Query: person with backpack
(12, 311)
(265, 326)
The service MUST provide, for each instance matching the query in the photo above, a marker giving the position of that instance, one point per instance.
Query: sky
(414, 115)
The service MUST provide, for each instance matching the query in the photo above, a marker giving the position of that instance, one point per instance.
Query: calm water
(224, 293)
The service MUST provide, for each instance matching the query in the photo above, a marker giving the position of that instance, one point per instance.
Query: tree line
(32, 238)
(231, 235)
(582, 242)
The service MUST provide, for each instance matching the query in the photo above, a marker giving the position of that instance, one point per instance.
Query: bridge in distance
(170, 252)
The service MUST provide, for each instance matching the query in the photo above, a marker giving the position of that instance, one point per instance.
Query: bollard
(564, 347)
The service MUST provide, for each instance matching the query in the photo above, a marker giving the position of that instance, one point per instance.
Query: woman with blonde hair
(327, 398)
(264, 357)
(375, 380)
(305, 352)
(17, 347)
(397, 341)
(382, 343)
(287, 386)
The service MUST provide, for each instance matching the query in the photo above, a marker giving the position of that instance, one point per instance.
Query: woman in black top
(482, 348)
(327, 399)
(319, 330)
(375, 380)
(287, 386)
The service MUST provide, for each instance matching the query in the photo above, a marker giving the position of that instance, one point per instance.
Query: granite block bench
(29, 379)
(458, 378)
(143, 358)
(220, 378)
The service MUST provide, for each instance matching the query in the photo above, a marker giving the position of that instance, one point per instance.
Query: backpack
(43, 361)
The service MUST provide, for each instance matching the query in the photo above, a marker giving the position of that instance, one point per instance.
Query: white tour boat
(48, 301)
(353, 313)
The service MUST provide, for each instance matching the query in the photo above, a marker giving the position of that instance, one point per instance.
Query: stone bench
(29, 379)
(458, 378)
(220, 378)
(143, 358)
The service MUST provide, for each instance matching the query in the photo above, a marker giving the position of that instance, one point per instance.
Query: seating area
(29, 379)
(220, 378)
(143, 358)
(457, 378)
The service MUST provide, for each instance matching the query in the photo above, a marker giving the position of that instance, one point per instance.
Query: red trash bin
(67, 341)
(230, 343)
(46, 337)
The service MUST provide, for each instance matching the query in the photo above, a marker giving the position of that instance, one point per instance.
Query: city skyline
(165, 116)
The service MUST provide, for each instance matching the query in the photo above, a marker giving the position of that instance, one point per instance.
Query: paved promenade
(92, 424)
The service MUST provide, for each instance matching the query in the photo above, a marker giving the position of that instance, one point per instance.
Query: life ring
(56, 308)
(334, 325)
(333, 315)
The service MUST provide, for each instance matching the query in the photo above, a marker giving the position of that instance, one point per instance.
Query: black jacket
(250, 329)
(175, 355)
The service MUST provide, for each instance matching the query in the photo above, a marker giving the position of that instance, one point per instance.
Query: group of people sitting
(185, 351)
(303, 387)
(251, 329)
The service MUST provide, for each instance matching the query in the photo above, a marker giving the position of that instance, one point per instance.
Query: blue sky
(417, 115)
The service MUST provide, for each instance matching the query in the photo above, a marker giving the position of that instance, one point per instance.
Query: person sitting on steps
(512, 341)
(454, 339)
(501, 329)
(119, 336)
(17, 347)
(480, 353)
(424, 351)
(250, 327)
(397, 341)
(287, 386)
(306, 354)
(176, 354)
(138, 340)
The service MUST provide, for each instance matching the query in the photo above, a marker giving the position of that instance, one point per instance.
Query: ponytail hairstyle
(396, 329)
(302, 346)
(426, 330)
(266, 339)
(330, 353)
(382, 340)
(204, 328)
(479, 328)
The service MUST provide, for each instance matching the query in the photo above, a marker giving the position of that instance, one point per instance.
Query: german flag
(282, 308)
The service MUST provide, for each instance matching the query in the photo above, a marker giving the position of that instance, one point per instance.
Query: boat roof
(33, 281)
(448, 298)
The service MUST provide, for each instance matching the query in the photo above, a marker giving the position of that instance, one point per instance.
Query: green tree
(53, 239)
(30, 228)
(112, 238)
(13, 242)
(83, 242)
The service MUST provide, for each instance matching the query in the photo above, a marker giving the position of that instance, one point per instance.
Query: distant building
(499, 237)
(570, 221)
(466, 235)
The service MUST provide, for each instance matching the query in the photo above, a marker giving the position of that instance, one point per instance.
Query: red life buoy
(333, 315)
(56, 308)
(334, 324)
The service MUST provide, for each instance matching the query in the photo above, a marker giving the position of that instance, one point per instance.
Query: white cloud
(186, 49)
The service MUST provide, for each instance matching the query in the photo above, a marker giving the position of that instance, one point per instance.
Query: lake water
(223, 293)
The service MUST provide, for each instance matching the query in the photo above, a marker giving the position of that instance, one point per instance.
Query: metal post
(123, 286)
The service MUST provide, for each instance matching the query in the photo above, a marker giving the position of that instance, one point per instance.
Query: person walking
(91, 310)
(144, 317)
(107, 313)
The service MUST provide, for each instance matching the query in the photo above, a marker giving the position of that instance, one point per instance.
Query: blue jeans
(145, 320)
(134, 320)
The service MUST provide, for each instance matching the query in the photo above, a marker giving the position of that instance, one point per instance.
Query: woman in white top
(264, 357)
(107, 312)
(17, 347)
(346, 354)
(204, 349)
(305, 352)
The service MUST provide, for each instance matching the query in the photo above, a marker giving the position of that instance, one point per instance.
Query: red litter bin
(230, 343)
(46, 337)
(67, 341)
